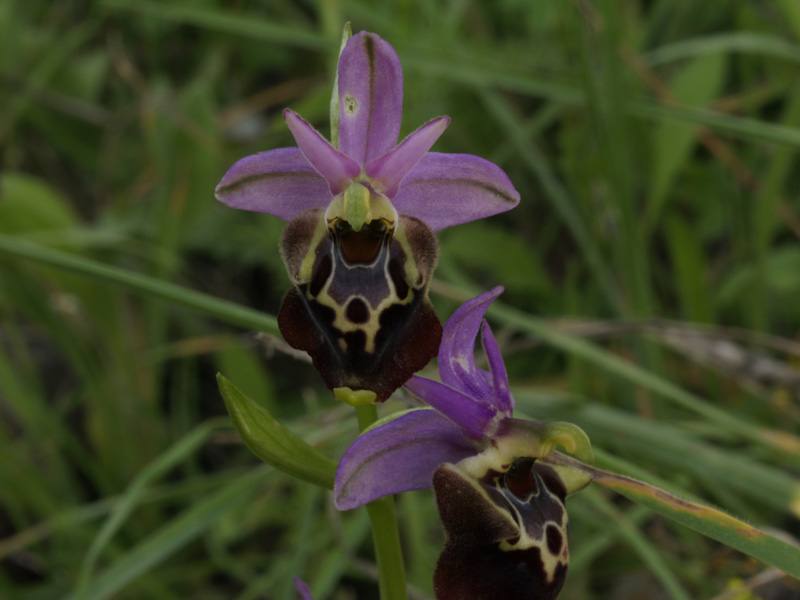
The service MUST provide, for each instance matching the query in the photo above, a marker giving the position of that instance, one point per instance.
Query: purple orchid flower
(503, 512)
(360, 247)
(439, 189)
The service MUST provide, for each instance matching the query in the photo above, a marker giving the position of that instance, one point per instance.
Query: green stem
(385, 535)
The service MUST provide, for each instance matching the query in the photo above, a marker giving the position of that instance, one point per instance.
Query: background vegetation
(654, 256)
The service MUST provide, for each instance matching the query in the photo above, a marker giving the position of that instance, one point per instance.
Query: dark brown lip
(360, 246)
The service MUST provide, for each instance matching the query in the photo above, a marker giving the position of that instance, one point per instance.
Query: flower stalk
(385, 535)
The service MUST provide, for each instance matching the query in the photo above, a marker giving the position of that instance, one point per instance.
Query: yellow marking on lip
(413, 275)
(372, 326)
(305, 271)
(357, 206)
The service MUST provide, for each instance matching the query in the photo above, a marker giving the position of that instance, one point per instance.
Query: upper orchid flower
(360, 247)
(502, 511)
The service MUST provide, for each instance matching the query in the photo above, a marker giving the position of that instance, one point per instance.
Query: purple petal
(302, 589)
(472, 416)
(389, 169)
(370, 97)
(457, 350)
(501, 398)
(333, 165)
(450, 189)
(397, 457)
(278, 182)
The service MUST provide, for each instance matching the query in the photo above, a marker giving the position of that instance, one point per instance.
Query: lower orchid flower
(503, 511)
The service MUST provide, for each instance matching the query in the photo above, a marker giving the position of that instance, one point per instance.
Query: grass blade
(709, 521)
(158, 547)
(142, 284)
(135, 492)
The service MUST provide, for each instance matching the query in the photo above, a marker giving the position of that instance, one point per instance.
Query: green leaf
(165, 542)
(746, 42)
(84, 77)
(781, 275)
(29, 204)
(691, 270)
(614, 365)
(511, 260)
(791, 12)
(697, 84)
(253, 379)
(141, 284)
(645, 547)
(704, 519)
(273, 443)
(229, 22)
(132, 497)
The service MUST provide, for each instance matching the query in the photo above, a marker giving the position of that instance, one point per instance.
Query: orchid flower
(503, 511)
(360, 247)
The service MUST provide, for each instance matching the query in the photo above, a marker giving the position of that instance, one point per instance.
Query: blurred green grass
(651, 272)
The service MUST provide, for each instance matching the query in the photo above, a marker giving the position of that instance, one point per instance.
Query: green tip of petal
(535, 440)
(575, 441)
(354, 397)
(347, 33)
(572, 438)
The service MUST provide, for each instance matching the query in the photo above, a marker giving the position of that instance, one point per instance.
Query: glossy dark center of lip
(360, 246)
(519, 479)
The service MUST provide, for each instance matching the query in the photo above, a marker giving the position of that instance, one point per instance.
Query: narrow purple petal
(370, 97)
(397, 457)
(279, 182)
(501, 398)
(472, 416)
(457, 350)
(333, 165)
(450, 189)
(390, 169)
(302, 589)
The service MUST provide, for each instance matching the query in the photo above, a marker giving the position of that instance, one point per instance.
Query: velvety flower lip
(506, 534)
(439, 189)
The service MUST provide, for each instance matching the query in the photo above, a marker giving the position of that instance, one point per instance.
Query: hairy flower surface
(360, 247)
(503, 512)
